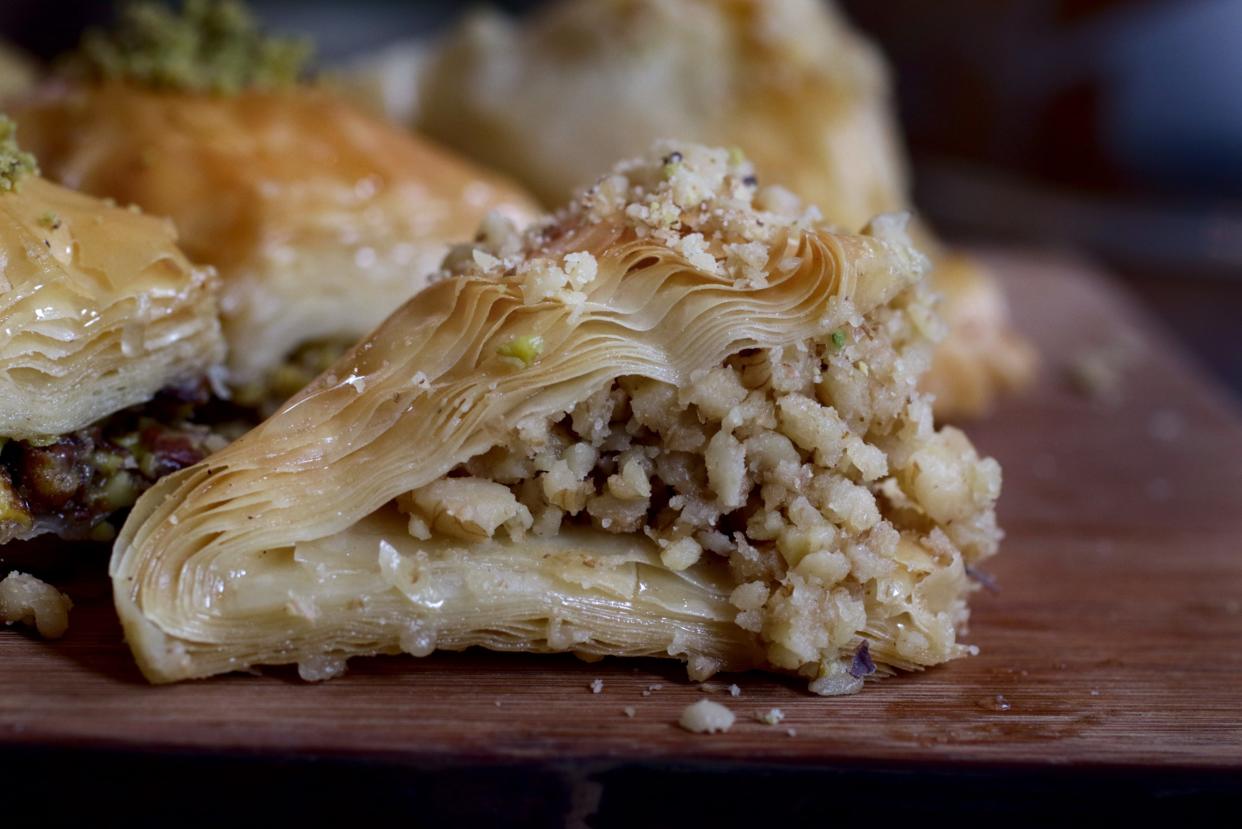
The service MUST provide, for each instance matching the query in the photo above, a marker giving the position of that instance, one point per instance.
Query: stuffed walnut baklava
(554, 99)
(320, 219)
(107, 337)
(671, 420)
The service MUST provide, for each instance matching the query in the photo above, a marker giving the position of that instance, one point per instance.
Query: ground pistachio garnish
(838, 338)
(526, 349)
(208, 46)
(671, 163)
(14, 162)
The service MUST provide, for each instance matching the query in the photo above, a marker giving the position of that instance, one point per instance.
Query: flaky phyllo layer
(679, 418)
(99, 310)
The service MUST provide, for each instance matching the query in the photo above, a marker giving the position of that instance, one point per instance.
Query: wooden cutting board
(1115, 640)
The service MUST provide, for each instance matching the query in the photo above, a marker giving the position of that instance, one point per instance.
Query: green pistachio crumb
(525, 349)
(14, 162)
(50, 220)
(103, 532)
(838, 338)
(12, 509)
(210, 46)
(736, 156)
(672, 162)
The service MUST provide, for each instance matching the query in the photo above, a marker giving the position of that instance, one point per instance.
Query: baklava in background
(553, 99)
(320, 219)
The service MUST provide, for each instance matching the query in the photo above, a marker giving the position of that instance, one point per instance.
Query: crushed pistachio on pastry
(14, 161)
(208, 46)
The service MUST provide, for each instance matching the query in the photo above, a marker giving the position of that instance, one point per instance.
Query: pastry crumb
(629, 711)
(706, 717)
(1098, 372)
(27, 600)
(772, 716)
(597, 686)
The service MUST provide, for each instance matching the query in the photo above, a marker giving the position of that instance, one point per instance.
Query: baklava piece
(110, 338)
(320, 219)
(670, 420)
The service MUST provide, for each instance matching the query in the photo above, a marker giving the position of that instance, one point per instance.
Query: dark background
(1109, 127)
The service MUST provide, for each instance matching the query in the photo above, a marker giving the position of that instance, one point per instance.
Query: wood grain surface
(1115, 639)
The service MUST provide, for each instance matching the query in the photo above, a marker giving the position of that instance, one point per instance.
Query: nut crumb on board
(26, 600)
(706, 717)
(597, 686)
(1098, 372)
(772, 716)
(629, 711)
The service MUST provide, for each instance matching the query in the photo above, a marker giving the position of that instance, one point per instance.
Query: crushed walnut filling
(813, 473)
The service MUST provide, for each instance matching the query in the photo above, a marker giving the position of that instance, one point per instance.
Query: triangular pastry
(668, 421)
(321, 219)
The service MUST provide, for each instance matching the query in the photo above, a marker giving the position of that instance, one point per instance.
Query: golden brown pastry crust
(319, 218)
(99, 310)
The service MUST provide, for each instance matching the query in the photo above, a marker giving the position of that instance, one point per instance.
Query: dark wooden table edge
(590, 790)
(415, 757)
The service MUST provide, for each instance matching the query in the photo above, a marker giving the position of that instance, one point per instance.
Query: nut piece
(706, 717)
(30, 601)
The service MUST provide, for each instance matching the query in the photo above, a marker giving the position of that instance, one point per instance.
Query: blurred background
(1112, 128)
